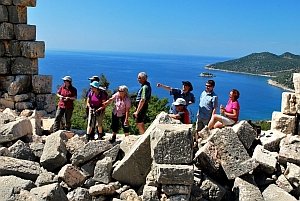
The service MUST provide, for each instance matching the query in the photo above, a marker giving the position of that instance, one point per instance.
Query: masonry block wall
(21, 86)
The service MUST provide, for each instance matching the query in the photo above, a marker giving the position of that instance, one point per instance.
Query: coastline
(230, 71)
(270, 81)
(276, 84)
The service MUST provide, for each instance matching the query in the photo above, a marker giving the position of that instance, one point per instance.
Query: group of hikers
(97, 99)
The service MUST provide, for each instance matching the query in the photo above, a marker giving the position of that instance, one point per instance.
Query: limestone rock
(37, 148)
(46, 178)
(6, 31)
(172, 144)
(24, 66)
(292, 173)
(112, 153)
(46, 102)
(20, 85)
(136, 163)
(173, 174)
(79, 194)
(17, 14)
(150, 193)
(266, 159)
(27, 3)
(50, 192)
(245, 132)
(271, 139)
(25, 32)
(71, 175)
(42, 84)
(20, 168)
(130, 195)
(89, 151)
(207, 159)
(5, 152)
(289, 103)
(89, 167)
(283, 123)
(211, 190)
(171, 189)
(289, 150)
(6, 118)
(103, 170)
(128, 142)
(55, 152)
(4, 65)
(283, 183)
(273, 192)
(233, 156)
(246, 189)
(12, 185)
(21, 150)
(15, 130)
(73, 144)
(33, 49)
(102, 189)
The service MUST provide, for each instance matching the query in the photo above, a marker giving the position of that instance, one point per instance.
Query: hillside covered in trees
(279, 67)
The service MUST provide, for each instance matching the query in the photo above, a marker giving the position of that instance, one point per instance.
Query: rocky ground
(233, 163)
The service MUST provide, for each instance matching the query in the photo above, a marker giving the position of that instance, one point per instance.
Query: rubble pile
(20, 85)
(232, 163)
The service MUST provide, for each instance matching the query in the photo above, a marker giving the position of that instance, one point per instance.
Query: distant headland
(278, 67)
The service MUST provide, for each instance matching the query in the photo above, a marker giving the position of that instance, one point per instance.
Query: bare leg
(214, 119)
(141, 127)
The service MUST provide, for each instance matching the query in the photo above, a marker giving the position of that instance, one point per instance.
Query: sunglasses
(208, 85)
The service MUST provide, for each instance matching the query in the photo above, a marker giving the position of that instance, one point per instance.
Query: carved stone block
(17, 14)
(5, 82)
(42, 84)
(28, 3)
(3, 14)
(4, 66)
(290, 103)
(24, 66)
(25, 32)
(46, 102)
(6, 31)
(33, 49)
(283, 123)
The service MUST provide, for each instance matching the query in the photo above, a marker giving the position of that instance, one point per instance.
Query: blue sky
(230, 28)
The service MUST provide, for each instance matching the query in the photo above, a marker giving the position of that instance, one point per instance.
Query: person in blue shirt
(207, 105)
(184, 93)
(142, 100)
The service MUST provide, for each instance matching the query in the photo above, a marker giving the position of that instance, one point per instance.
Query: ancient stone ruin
(232, 163)
(20, 85)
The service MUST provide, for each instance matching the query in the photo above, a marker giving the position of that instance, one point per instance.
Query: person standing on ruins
(142, 101)
(207, 105)
(67, 93)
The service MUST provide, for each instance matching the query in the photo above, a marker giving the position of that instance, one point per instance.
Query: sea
(257, 99)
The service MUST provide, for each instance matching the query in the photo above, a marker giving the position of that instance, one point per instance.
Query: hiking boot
(113, 139)
(101, 136)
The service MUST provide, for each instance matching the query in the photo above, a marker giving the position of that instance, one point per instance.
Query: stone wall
(20, 85)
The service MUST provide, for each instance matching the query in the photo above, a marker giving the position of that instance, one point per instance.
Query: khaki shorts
(227, 121)
(95, 119)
